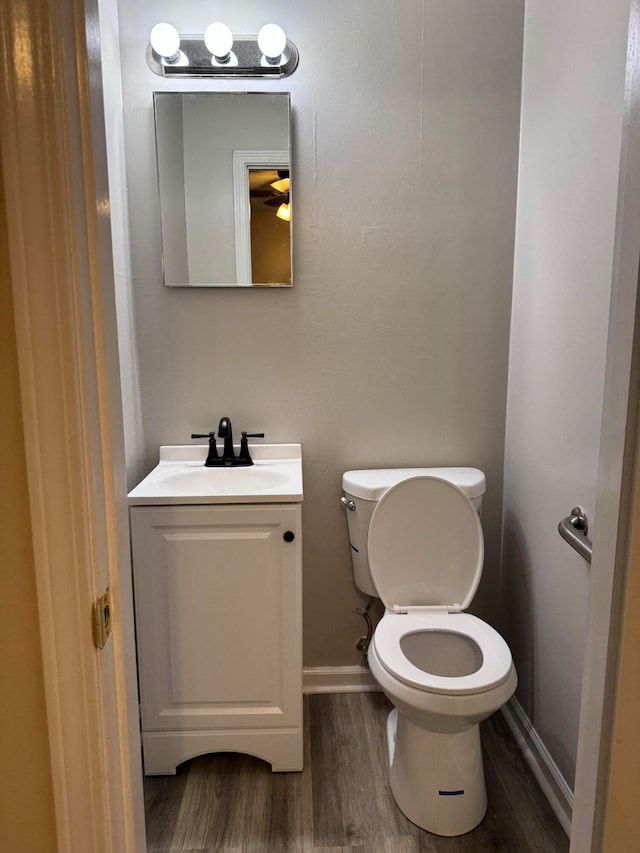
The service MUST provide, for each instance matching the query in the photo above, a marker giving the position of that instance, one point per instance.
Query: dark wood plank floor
(341, 801)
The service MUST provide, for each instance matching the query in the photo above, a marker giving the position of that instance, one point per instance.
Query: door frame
(615, 489)
(243, 161)
(54, 164)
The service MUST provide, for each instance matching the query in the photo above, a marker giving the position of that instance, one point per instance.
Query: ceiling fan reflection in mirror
(270, 187)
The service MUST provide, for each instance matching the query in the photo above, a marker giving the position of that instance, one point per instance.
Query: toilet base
(437, 779)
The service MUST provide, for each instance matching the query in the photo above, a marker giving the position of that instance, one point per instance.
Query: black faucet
(228, 458)
(225, 432)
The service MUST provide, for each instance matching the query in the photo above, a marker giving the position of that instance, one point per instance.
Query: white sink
(181, 478)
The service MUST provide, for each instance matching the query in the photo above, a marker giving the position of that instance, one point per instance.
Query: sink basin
(181, 478)
(221, 481)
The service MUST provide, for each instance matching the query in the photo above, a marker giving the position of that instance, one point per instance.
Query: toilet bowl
(443, 669)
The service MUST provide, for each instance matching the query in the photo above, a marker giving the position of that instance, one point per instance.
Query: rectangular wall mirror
(224, 180)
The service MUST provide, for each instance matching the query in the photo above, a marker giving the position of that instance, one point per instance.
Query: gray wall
(171, 165)
(121, 242)
(572, 102)
(230, 125)
(391, 348)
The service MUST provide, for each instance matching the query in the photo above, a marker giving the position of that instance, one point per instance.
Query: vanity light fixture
(218, 53)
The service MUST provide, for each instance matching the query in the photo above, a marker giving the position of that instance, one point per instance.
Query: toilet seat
(426, 552)
(496, 658)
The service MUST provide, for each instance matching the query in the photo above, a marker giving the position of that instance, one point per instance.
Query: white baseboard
(338, 679)
(542, 765)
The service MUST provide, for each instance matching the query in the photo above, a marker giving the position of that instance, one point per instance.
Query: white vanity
(217, 565)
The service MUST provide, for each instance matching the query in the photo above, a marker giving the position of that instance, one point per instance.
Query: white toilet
(417, 543)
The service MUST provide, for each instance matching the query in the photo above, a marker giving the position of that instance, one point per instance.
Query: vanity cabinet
(219, 631)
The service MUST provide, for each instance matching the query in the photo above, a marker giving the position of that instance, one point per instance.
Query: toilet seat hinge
(426, 608)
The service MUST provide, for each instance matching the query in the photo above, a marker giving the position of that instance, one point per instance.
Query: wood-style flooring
(341, 801)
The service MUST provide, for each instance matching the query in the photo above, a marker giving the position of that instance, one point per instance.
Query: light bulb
(272, 41)
(281, 186)
(165, 40)
(219, 40)
(284, 212)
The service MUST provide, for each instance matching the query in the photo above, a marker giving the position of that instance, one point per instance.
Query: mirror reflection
(270, 217)
(225, 188)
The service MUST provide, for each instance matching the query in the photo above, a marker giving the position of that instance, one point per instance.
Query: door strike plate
(101, 617)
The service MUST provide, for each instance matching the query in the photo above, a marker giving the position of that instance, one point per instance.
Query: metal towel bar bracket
(574, 529)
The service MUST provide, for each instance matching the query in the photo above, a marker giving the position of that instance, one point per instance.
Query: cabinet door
(218, 616)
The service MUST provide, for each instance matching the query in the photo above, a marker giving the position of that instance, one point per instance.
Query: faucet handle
(212, 456)
(244, 454)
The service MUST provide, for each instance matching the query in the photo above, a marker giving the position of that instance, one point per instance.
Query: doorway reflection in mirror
(270, 216)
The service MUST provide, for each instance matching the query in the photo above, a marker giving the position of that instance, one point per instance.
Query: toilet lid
(425, 545)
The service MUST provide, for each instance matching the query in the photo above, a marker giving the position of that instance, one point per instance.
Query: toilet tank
(365, 488)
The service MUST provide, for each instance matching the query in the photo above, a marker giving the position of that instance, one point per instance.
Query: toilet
(416, 543)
